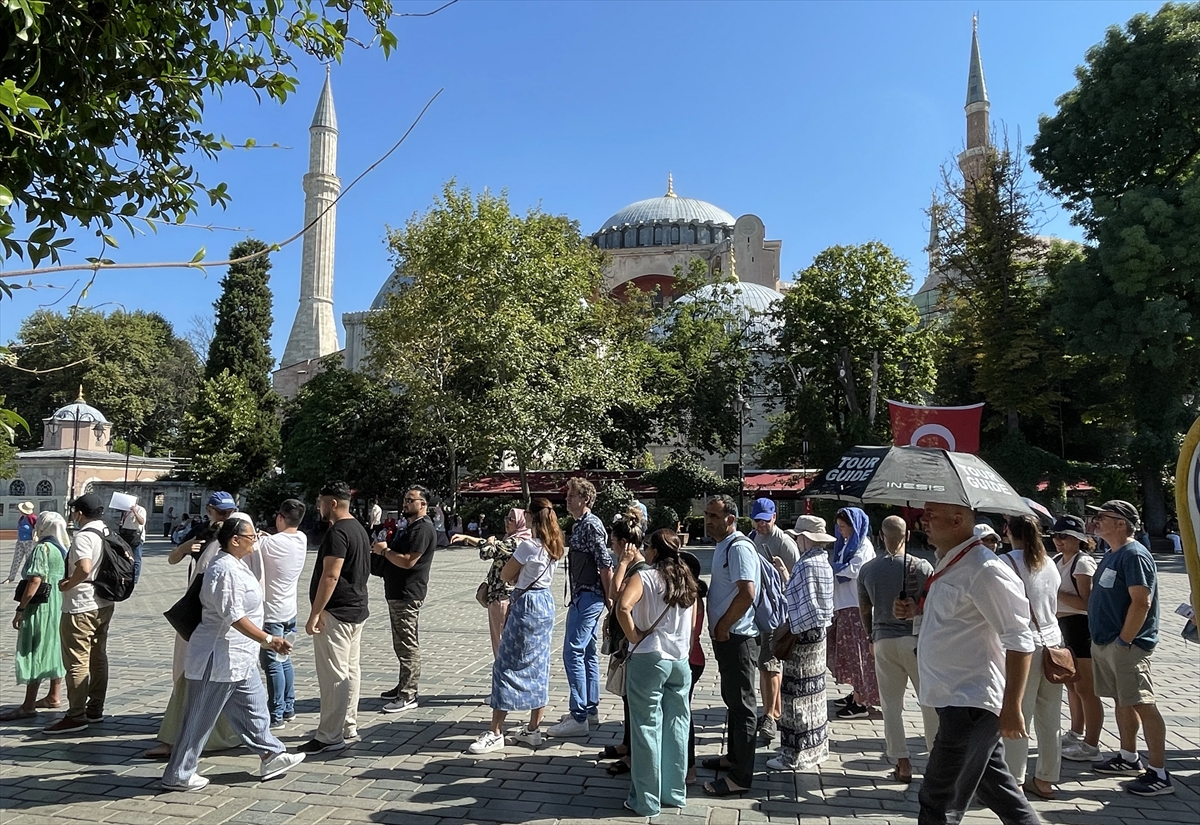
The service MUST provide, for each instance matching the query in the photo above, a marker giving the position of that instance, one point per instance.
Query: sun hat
(26, 507)
(812, 528)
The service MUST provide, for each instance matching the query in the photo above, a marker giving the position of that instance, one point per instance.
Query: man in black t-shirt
(404, 567)
(338, 591)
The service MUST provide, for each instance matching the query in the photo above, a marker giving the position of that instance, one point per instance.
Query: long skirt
(849, 655)
(521, 670)
(804, 724)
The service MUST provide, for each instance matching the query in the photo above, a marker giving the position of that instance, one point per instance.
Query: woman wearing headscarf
(1076, 567)
(221, 665)
(495, 591)
(655, 610)
(39, 650)
(848, 650)
(521, 670)
(804, 723)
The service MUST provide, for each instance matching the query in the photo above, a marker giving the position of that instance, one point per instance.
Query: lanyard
(929, 582)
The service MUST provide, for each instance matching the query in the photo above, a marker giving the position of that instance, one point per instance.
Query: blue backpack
(770, 608)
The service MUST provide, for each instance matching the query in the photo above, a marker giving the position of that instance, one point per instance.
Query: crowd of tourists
(981, 634)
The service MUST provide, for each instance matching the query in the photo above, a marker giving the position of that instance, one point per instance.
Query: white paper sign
(122, 501)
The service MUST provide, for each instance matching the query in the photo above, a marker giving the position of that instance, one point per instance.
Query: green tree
(498, 338)
(232, 440)
(241, 341)
(9, 422)
(682, 479)
(346, 425)
(1123, 151)
(131, 366)
(847, 312)
(102, 104)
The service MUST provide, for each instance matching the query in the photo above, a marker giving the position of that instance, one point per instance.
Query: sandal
(1031, 787)
(618, 768)
(716, 763)
(17, 713)
(895, 776)
(720, 789)
(611, 752)
(47, 704)
(161, 752)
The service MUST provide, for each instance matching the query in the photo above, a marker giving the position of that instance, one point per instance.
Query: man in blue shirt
(1123, 619)
(734, 583)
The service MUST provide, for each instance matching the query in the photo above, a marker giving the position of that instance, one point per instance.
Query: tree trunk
(453, 463)
(1014, 422)
(524, 481)
(1155, 515)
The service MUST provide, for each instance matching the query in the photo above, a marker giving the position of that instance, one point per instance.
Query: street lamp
(743, 408)
(77, 416)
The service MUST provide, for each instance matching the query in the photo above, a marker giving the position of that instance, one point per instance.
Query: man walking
(883, 580)
(133, 530)
(86, 617)
(1123, 615)
(736, 579)
(338, 592)
(771, 543)
(973, 660)
(590, 567)
(405, 570)
(282, 557)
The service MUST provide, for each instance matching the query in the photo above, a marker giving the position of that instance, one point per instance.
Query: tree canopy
(225, 432)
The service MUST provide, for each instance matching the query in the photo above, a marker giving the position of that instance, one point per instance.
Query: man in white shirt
(973, 659)
(133, 530)
(282, 556)
(771, 543)
(85, 621)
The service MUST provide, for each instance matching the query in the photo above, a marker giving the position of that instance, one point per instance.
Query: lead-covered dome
(666, 221)
(80, 411)
(753, 303)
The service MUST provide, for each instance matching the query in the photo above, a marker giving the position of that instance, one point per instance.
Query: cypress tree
(241, 342)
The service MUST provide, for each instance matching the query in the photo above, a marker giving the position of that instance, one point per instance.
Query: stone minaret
(313, 332)
(979, 142)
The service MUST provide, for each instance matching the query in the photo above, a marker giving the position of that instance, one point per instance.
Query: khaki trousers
(335, 654)
(895, 667)
(84, 639)
(1042, 709)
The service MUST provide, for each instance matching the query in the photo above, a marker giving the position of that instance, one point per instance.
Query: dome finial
(79, 400)
(670, 187)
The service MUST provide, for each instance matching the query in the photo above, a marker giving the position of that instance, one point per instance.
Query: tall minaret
(979, 139)
(313, 332)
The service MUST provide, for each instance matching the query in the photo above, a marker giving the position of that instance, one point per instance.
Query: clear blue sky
(828, 120)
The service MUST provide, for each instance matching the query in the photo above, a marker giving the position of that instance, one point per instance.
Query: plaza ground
(413, 769)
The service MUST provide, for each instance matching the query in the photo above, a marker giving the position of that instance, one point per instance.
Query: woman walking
(39, 648)
(655, 610)
(221, 665)
(1043, 698)
(1075, 568)
(521, 670)
(849, 652)
(25, 527)
(804, 723)
(495, 591)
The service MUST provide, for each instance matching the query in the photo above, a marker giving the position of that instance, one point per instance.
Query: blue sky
(828, 120)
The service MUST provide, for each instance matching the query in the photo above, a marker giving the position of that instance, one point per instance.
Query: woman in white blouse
(655, 612)
(221, 665)
(1043, 698)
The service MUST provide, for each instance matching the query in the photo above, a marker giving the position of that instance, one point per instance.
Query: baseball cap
(984, 530)
(222, 500)
(1121, 508)
(1070, 526)
(812, 528)
(763, 508)
(90, 504)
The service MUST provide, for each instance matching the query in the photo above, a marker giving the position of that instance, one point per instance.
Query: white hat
(984, 530)
(26, 507)
(812, 528)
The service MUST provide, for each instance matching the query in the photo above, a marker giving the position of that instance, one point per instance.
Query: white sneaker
(195, 782)
(486, 743)
(781, 763)
(400, 705)
(1070, 738)
(532, 738)
(568, 728)
(1081, 752)
(279, 764)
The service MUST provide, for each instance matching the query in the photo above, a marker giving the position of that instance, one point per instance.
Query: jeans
(137, 562)
(737, 664)
(580, 659)
(281, 676)
(967, 763)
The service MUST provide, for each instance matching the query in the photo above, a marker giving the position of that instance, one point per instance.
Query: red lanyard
(929, 582)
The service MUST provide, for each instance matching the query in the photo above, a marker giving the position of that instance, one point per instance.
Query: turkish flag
(950, 428)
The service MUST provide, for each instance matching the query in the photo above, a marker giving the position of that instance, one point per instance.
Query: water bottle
(283, 657)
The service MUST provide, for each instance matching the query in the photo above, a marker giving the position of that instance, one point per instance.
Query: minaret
(971, 161)
(313, 332)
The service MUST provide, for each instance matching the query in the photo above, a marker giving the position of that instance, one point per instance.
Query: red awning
(550, 483)
(781, 484)
(1077, 487)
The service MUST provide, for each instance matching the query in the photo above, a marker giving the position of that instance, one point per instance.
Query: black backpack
(114, 575)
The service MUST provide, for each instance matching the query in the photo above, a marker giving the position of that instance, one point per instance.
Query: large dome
(666, 221)
(669, 209)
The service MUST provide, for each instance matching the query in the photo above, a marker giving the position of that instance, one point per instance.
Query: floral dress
(39, 651)
(499, 551)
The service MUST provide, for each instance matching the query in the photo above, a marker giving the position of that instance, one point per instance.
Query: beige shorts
(766, 657)
(1122, 673)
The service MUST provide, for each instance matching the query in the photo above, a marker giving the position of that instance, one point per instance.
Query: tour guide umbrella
(910, 476)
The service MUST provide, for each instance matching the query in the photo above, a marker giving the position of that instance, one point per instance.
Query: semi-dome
(666, 221)
(391, 286)
(753, 302)
(80, 411)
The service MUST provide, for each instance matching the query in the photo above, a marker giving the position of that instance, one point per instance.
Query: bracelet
(1122, 643)
(20, 610)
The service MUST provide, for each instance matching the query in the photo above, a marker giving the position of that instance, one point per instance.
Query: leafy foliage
(9, 422)
(682, 479)
(241, 342)
(612, 498)
(232, 440)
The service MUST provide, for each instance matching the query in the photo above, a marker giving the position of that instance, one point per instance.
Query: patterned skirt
(804, 725)
(521, 670)
(850, 657)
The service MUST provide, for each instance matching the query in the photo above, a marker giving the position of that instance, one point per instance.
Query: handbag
(785, 642)
(1058, 663)
(41, 596)
(481, 594)
(614, 681)
(185, 614)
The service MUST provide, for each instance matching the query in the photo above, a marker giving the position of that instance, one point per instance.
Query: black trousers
(968, 763)
(737, 664)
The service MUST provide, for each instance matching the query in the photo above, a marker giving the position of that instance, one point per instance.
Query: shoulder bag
(615, 680)
(1058, 663)
(185, 614)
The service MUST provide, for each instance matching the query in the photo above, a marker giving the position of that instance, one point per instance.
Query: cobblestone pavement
(412, 769)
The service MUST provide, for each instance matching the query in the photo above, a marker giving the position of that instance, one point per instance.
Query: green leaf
(199, 256)
(6, 197)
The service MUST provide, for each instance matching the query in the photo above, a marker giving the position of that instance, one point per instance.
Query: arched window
(16, 488)
(44, 488)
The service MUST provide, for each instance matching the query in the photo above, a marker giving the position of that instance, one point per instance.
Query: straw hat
(26, 507)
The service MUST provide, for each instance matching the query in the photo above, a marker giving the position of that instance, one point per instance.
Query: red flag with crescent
(949, 428)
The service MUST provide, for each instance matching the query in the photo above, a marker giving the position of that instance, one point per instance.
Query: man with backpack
(85, 621)
(771, 543)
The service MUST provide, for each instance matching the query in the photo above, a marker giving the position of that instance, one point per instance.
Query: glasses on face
(1103, 516)
(412, 500)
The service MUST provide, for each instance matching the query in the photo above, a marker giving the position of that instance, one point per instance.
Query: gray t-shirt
(881, 580)
(777, 543)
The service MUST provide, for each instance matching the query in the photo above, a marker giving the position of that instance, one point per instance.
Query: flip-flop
(896, 777)
(611, 752)
(720, 788)
(17, 713)
(1033, 789)
(714, 763)
(42, 703)
(618, 768)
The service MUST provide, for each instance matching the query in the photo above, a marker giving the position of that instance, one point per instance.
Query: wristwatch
(268, 641)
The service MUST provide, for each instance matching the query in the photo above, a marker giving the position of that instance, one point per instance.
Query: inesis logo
(853, 468)
(981, 478)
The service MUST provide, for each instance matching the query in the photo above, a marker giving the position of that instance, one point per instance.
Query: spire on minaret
(314, 334)
(670, 187)
(976, 88)
(935, 238)
(979, 139)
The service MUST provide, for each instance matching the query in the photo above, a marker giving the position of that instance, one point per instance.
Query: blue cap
(762, 509)
(221, 500)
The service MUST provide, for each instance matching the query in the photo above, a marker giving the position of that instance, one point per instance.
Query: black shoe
(317, 746)
(845, 700)
(768, 730)
(394, 693)
(853, 711)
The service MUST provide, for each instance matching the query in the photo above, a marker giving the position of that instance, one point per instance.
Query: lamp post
(76, 417)
(743, 407)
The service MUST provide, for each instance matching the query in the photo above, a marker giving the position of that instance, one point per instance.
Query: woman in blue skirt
(521, 670)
